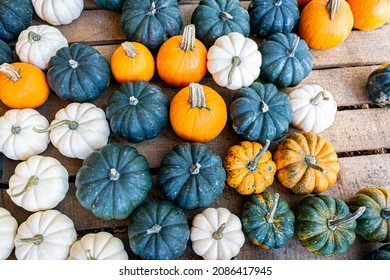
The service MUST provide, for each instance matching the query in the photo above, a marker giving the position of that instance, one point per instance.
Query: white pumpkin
(314, 108)
(18, 140)
(78, 130)
(46, 235)
(8, 227)
(98, 246)
(234, 61)
(39, 183)
(38, 43)
(58, 12)
(216, 234)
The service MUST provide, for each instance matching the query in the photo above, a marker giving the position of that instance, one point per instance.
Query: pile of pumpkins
(114, 181)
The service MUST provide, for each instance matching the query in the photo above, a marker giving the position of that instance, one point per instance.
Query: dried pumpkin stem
(253, 164)
(218, 234)
(225, 15)
(154, 229)
(264, 107)
(133, 100)
(114, 175)
(151, 9)
(291, 51)
(129, 49)
(16, 129)
(236, 61)
(270, 215)
(37, 239)
(278, 2)
(11, 72)
(33, 181)
(197, 96)
(33, 37)
(88, 255)
(312, 163)
(385, 213)
(73, 63)
(195, 169)
(314, 100)
(188, 38)
(333, 224)
(71, 124)
(333, 7)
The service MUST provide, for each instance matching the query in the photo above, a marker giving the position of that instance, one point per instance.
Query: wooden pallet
(360, 133)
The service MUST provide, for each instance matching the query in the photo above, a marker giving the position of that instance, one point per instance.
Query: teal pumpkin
(378, 86)
(286, 60)
(6, 54)
(151, 22)
(15, 16)
(158, 230)
(191, 175)
(382, 253)
(215, 18)
(113, 181)
(137, 111)
(267, 220)
(111, 5)
(260, 112)
(78, 73)
(268, 17)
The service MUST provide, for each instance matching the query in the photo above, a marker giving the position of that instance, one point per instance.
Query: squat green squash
(113, 182)
(6, 54)
(15, 16)
(158, 230)
(111, 5)
(378, 86)
(383, 253)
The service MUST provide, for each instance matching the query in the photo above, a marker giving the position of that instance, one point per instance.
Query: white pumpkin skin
(98, 246)
(18, 140)
(8, 228)
(203, 234)
(229, 49)
(38, 43)
(53, 232)
(314, 108)
(39, 183)
(58, 12)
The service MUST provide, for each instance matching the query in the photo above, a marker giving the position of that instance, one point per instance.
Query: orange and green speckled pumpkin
(306, 163)
(249, 167)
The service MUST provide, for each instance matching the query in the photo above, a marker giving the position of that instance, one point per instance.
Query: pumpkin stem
(88, 255)
(188, 38)
(270, 215)
(385, 213)
(314, 100)
(34, 180)
(197, 96)
(218, 234)
(33, 37)
(278, 2)
(264, 107)
(114, 174)
(333, 224)
(16, 129)
(253, 164)
(133, 100)
(291, 51)
(129, 49)
(312, 163)
(195, 169)
(236, 61)
(37, 239)
(151, 9)
(333, 7)
(71, 124)
(225, 15)
(11, 72)
(73, 63)
(154, 229)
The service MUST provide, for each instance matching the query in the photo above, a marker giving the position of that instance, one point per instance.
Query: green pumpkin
(215, 18)
(259, 112)
(383, 253)
(6, 54)
(378, 86)
(151, 22)
(268, 17)
(286, 60)
(158, 230)
(191, 175)
(111, 5)
(113, 182)
(267, 220)
(325, 226)
(78, 73)
(374, 224)
(15, 16)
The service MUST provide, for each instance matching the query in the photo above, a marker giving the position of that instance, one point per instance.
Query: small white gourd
(8, 228)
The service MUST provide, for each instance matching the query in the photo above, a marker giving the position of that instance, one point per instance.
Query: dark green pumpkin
(215, 18)
(374, 224)
(78, 73)
(15, 16)
(268, 17)
(111, 5)
(6, 54)
(324, 225)
(113, 181)
(378, 86)
(158, 230)
(151, 22)
(137, 111)
(267, 220)
(383, 253)
(286, 60)
(191, 175)
(259, 112)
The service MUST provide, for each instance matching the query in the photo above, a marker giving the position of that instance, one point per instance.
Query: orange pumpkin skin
(24, 86)
(369, 14)
(132, 62)
(318, 29)
(247, 178)
(193, 121)
(182, 59)
(306, 163)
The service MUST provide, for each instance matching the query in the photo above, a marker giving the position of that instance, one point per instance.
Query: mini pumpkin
(16, 15)
(58, 12)
(378, 86)
(111, 5)
(8, 228)
(382, 253)
(6, 54)
(369, 14)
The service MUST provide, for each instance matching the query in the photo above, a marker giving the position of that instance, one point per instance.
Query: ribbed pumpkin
(16, 15)
(378, 86)
(6, 54)
(8, 228)
(382, 253)
(306, 163)
(111, 5)
(369, 14)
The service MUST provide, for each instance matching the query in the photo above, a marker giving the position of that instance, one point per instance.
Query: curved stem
(151, 9)
(385, 213)
(314, 100)
(225, 15)
(195, 169)
(218, 234)
(154, 229)
(333, 7)
(291, 51)
(37, 239)
(188, 38)
(312, 163)
(197, 96)
(264, 107)
(33, 181)
(88, 255)
(270, 215)
(333, 224)
(33, 37)
(114, 174)
(253, 164)
(73, 63)
(129, 49)
(11, 72)
(71, 124)
(236, 61)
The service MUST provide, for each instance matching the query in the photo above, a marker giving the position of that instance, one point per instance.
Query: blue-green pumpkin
(382, 253)
(113, 182)
(158, 230)
(6, 54)
(191, 175)
(215, 18)
(286, 60)
(15, 16)
(78, 73)
(151, 22)
(138, 111)
(111, 5)
(378, 86)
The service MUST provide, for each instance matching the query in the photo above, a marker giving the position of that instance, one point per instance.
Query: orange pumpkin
(306, 163)
(132, 62)
(182, 59)
(369, 14)
(302, 3)
(325, 24)
(23, 85)
(198, 113)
